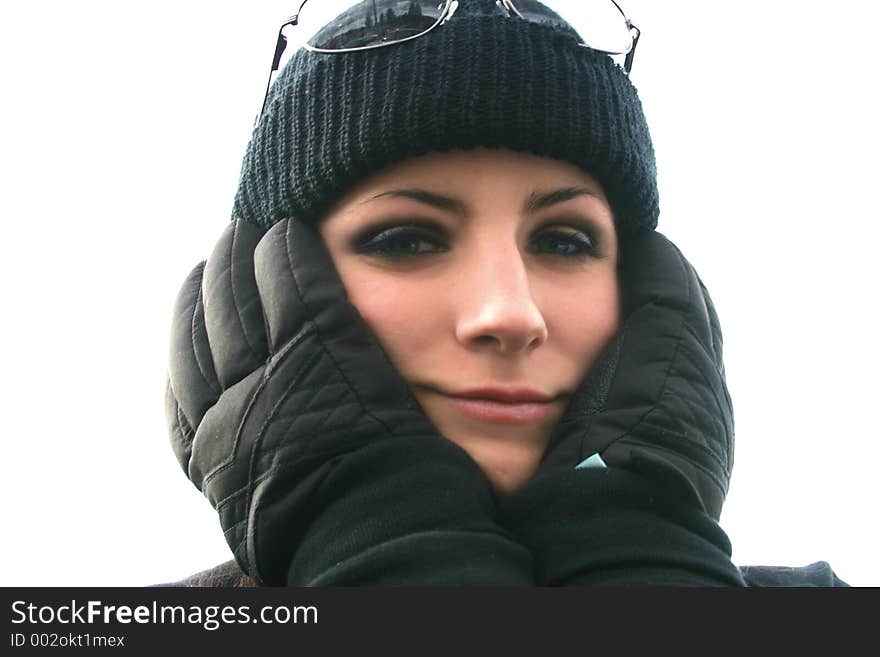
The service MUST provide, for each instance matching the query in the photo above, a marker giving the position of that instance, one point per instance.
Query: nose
(496, 306)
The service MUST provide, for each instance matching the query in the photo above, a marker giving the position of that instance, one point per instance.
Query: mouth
(504, 406)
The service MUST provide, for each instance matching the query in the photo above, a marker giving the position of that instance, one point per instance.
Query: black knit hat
(480, 79)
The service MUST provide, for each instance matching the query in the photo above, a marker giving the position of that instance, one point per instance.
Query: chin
(504, 485)
(507, 464)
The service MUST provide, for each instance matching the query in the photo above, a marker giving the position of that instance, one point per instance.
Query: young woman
(441, 343)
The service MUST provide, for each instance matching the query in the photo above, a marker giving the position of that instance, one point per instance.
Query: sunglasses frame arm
(628, 64)
(636, 32)
(280, 47)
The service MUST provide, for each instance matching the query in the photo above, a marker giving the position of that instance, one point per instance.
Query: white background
(123, 128)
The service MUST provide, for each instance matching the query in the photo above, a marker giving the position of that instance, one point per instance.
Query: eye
(416, 239)
(566, 243)
(399, 243)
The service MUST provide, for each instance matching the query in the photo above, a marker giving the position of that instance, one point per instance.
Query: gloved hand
(284, 410)
(656, 401)
(655, 417)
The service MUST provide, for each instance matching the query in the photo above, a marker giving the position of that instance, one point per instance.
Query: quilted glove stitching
(242, 490)
(281, 461)
(663, 390)
(715, 357)
(237, 527)
(710, 474)
(664, 387)
(264, 380)
(179, 432)
(198, 302)
(283, 448)
(232, 497)
(279, 403)
(705, 354)
(723, 410)
(183, 425)
(255, 452)
(320, 339)
(284, 445)
(674, 441)
(718, 347)
(277, 462)
(715, 325)
(235, 302)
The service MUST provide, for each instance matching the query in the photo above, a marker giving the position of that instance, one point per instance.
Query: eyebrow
(536, 201)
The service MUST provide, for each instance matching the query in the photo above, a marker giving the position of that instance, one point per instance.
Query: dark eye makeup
(399, 240)
(571, 239)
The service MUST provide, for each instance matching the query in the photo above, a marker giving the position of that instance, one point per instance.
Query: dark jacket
(818, 574)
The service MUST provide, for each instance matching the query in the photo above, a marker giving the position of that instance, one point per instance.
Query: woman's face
(483, 273)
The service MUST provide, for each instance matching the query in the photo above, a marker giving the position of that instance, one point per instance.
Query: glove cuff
(415, 509)
(611, 527)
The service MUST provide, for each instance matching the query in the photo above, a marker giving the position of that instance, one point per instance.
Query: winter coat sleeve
(610, 527)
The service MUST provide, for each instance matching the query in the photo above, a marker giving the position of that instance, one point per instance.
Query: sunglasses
(344, 26)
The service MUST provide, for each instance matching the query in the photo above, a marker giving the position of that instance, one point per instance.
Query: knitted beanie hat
(480, 79)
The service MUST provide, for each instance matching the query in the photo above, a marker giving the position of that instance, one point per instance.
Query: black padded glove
(656, 401)
(656, 410)
(284, 410)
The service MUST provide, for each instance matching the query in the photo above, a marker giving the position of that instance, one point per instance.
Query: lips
(517, 406)
(509, 396)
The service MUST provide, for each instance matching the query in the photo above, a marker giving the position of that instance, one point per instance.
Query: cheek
(584, 328)
(403, 318)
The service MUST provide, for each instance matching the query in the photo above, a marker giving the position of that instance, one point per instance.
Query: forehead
(472, 173)
(486, 161)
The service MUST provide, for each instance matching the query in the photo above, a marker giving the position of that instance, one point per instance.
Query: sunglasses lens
(336, 25)
(598, 23)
